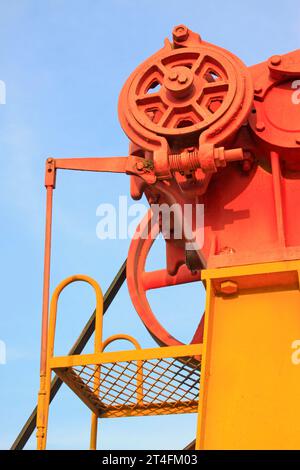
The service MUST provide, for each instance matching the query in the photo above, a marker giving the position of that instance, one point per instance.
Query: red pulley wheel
(185, 91)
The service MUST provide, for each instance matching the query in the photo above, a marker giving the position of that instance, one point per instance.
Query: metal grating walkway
(156, 386)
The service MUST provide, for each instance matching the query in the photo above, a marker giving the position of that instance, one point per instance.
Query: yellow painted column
(250, 382)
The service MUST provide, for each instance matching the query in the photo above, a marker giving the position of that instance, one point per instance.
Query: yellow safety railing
(45, 380)
(138, 382)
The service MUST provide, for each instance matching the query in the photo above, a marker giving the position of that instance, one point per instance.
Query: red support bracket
(50, 173)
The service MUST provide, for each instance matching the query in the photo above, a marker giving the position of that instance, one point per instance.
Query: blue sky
(64, 63)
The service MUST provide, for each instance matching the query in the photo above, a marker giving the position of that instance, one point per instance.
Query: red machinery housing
(206, 129)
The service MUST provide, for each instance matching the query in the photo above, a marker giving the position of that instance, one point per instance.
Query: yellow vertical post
(250, 390)
(94, 432)
(204, 366)
(97, 348)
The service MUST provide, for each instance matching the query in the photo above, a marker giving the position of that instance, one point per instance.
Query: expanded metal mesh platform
(138, 386)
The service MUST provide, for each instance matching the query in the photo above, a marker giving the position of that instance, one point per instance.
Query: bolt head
(173, 76)
(228, 287)
(260, 126)
(180, 33)
(182, 78)
(178, 81)
(139, 165)
(275, 60)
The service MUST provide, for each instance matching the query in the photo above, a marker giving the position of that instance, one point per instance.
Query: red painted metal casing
(217, 133)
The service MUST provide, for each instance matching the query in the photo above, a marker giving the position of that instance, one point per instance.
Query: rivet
(173, 75)
(275, 60)
(260, 126)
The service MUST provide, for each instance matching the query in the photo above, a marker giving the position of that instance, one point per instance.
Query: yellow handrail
(48, 345)
(139, 374)
(99, 310)
(99, 346)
